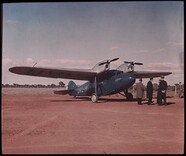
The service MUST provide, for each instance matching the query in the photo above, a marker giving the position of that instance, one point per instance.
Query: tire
(94, 98)
(129, 96)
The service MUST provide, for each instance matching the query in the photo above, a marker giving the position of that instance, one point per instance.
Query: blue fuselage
(114, 81)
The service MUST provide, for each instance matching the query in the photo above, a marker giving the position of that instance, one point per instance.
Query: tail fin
(72, 85)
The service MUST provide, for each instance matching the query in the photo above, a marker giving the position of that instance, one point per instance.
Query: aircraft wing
(149, 74)
(66, 73)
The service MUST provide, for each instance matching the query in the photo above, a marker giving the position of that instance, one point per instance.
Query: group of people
(161, 93)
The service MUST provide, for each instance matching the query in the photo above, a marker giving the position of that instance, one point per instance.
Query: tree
(61, 84)
(53, 85)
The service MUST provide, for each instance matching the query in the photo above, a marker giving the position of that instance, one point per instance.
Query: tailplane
(71, 86)
(61, 92)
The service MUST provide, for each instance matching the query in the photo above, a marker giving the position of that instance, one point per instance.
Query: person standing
(139, 91)
(158, 93)
(163, 90)
(150, 91)
(179, 90)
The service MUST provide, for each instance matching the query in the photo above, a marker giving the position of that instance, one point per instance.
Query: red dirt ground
(37, 121)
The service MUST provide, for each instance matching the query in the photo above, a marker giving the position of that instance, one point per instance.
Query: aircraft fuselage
(113, 82)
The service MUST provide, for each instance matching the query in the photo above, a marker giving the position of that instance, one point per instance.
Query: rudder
(72, 85)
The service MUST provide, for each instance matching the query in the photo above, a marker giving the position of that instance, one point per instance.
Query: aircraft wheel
(94, 98)
(129, 96)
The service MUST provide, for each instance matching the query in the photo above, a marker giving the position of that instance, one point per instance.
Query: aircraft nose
(131, 79)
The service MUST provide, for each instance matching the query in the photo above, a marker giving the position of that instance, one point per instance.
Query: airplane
(101, 80)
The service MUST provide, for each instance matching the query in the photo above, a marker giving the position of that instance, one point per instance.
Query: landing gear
(128, 95)
(94, 98)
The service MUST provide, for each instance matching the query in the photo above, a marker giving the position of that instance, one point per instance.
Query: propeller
(108, 61)
(133, 63)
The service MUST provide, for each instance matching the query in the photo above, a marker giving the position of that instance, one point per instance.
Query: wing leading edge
(149, 74)
(66, 73)
(77, 74)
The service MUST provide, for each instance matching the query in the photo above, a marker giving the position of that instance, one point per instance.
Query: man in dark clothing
(158, 94)
(150, 91)
(163, 89)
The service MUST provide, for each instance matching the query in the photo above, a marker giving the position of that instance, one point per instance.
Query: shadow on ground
(105, 99)
(100, 100)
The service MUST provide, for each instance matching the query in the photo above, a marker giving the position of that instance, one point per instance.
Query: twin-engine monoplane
(101, 80)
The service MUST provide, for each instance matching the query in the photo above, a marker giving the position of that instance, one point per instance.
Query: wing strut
(96, 91)
(94, 96)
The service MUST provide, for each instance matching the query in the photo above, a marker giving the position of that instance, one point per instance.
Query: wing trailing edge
(149, 74)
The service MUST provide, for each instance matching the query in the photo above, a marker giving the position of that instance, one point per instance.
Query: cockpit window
(126, 68)
(123, 67)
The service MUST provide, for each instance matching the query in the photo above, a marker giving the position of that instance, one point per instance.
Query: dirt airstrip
(37, 121)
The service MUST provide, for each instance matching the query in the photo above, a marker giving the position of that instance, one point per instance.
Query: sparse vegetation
(60, 85)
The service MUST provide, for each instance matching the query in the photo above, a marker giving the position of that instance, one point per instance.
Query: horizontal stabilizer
(61, 92)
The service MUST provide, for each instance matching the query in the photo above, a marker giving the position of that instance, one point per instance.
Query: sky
(80, 34)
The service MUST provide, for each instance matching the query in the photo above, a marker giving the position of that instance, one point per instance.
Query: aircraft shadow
(169, 103)
(105, 99)
(166, 97)
(72, 100)
(100, 100)
(115, 100)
